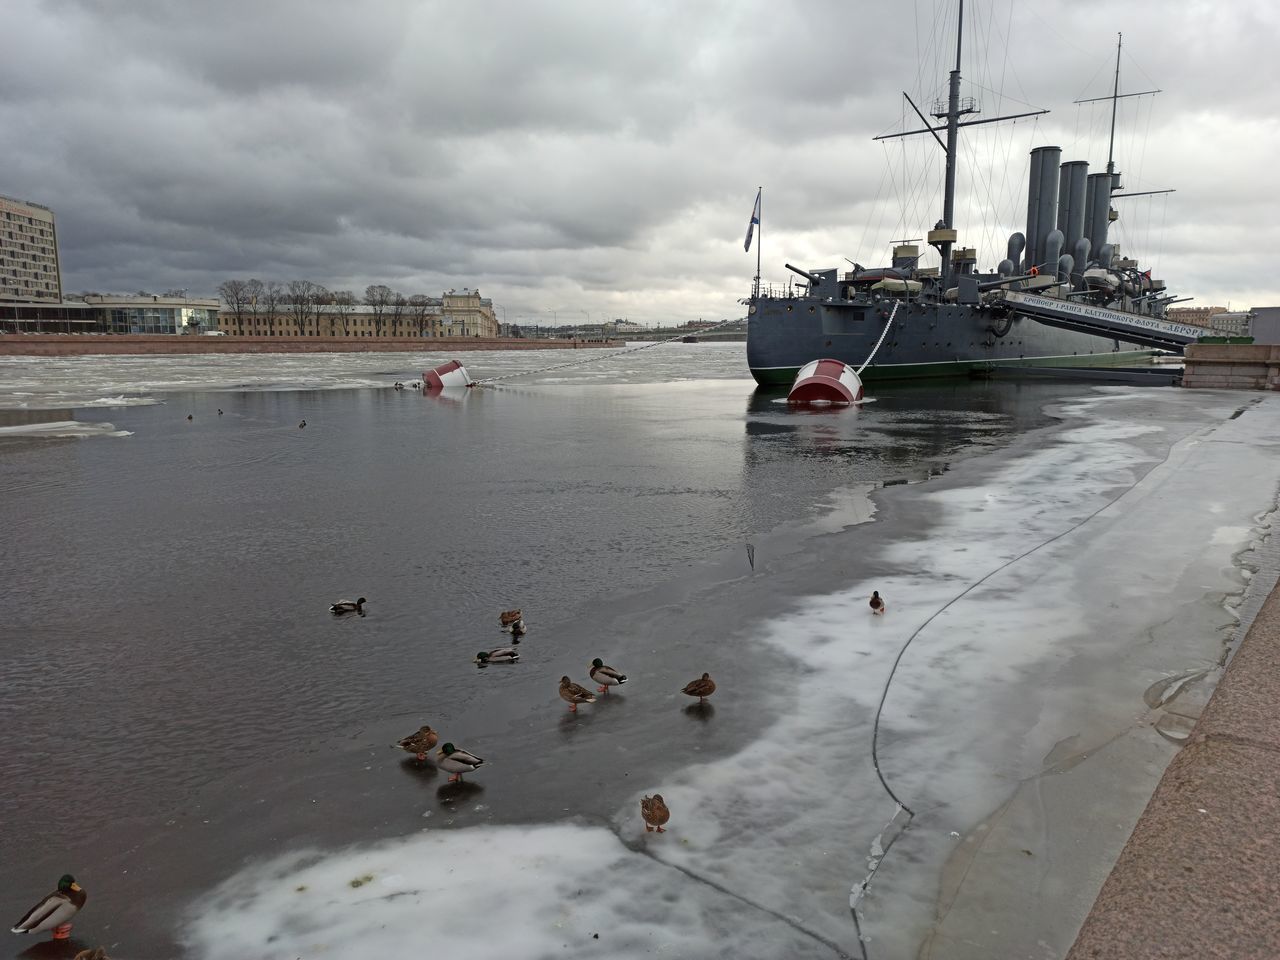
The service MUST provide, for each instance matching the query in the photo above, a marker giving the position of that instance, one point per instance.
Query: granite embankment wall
(72, 345)
(1198, 879)
(1242, 366)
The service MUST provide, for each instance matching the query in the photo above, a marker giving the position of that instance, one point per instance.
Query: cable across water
(608, 356)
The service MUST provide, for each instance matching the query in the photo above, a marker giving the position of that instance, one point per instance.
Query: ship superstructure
(1063, 296)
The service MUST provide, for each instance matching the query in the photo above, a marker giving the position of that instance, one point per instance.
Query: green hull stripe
(958, 368)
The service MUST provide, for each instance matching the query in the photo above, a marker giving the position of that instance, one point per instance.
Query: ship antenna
(1115, 99)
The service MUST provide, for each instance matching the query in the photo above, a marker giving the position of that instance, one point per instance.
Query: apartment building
(29, 269)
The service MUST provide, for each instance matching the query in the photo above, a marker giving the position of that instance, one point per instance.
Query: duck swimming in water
(512, 622)
(55, 911)
(302, 424)
(348, 606)
(501, 655)
(876, 603)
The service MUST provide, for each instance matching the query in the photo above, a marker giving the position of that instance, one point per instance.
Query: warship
(1063, 296)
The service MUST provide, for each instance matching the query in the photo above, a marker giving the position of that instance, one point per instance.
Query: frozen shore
(1050, 593)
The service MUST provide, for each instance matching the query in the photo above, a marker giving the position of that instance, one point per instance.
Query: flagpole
(759, 238)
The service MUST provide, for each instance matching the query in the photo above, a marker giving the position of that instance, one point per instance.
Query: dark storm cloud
(585, 157)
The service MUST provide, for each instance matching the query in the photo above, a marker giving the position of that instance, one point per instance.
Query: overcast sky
(575, 158)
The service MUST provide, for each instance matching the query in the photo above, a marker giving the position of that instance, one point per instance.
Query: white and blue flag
(755, 219)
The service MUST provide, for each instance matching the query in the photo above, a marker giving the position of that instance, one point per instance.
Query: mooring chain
(607, 356)
(883, 333)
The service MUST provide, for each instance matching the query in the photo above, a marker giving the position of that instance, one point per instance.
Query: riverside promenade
(1199, 878)
(80, 344)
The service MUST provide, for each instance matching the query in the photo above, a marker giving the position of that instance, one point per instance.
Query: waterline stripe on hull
(952, 368)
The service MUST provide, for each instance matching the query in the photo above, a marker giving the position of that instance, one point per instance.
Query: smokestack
(1100, 186)
(1017, 243)
(1048, 204)
(1071, 212)
(1088, 208)
(1033, 206)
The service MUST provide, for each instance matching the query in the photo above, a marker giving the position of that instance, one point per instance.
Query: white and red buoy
(451, 374)
(826, 381)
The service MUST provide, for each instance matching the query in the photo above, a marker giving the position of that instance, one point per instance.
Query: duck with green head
(55, 911)
(457, 762)
(501, 655)
(606, 676)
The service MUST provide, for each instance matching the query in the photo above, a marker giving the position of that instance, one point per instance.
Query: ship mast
(943, 236)
(953, 133)
(1115, 100)
(1115, 97)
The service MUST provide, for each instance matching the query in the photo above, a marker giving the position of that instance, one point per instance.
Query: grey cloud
(584, 156)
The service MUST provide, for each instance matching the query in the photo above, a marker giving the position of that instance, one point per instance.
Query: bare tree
(272, 293)
(343, 301)
(235, 295)
(398, 306)
(300, 292)
(377, 296)
(252, 293)
(420, 309)
(320, 298)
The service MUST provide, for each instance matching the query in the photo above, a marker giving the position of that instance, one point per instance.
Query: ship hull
(926, 340)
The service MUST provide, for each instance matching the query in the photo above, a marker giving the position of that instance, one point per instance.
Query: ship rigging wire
(608, 356)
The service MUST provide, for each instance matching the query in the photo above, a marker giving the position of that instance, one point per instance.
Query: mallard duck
(574, 694)
(517, 630)
(55, 911)
(97, 953)
(302, 424)
(348, 606)
(420, 743)
(456, 762)
(655, 813)
(877, 604)
(701, 688)
(501, 655)
(508, 617)
(606, 676)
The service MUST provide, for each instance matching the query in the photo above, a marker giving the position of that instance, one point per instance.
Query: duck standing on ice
(701, 688)
(877, 604)
(55, 911)
(456, 762)
(606, 676)
(574, 694)
(655, 813)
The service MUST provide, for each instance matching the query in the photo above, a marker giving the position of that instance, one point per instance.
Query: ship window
(788, 308)
(811, 309)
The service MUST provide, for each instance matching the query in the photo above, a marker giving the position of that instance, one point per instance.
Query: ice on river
(1031, 592)
(44, 383)
(59, 429)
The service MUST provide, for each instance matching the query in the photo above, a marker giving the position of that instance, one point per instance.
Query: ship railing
(776, 291)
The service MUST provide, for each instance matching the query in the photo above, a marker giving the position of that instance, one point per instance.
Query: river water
(190, 732)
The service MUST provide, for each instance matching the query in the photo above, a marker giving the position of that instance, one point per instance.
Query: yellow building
(457, 314)
(29, 269)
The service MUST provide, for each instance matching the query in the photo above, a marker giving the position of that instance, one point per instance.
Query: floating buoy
(451, 374)
(826, 381)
